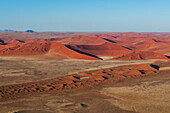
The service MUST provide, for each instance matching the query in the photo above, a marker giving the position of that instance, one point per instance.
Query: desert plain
(84, 72)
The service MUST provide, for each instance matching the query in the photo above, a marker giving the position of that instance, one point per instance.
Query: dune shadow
(167, 56)
(51, 39)
(81, 52)
(109, 40)
(155, 66)
(20, 41)
(3, 43)
(127, 47)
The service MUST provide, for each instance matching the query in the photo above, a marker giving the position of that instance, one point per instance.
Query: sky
(86, 15)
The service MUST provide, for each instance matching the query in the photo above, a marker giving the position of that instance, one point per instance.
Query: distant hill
(29, 31)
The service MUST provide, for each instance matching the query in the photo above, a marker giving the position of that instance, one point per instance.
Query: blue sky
(86, 15)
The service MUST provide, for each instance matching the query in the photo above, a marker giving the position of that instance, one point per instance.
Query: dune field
(70, 72)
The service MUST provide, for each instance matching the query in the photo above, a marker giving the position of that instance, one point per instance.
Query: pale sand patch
(63, 104)
(106, 57)
(22, 58)
(164, 68)
(148, 97)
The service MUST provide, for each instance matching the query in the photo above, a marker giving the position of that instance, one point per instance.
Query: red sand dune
(85, 47)
(153, 45)
(36, 48)
(146, 41)
(79, 80)
(125, 37)
(82, 40)
(141, 55)
(10, 41)
(106, 49)
(42, 48)
(131, 37)
(60, 50)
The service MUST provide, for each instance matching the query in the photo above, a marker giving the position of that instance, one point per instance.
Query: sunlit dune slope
(46, 48)
(141, 55)
(82, 40)
(105, 49)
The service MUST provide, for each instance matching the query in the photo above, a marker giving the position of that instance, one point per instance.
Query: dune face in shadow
(155, 66)
(109, 40)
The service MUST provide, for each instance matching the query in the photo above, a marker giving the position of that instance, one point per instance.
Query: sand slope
(47, 48)
(141, 55)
